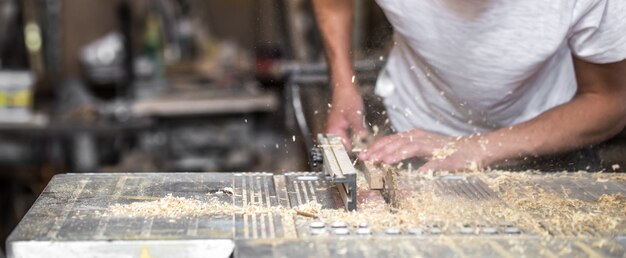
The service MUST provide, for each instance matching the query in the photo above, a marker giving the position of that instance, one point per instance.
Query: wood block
(374, 174)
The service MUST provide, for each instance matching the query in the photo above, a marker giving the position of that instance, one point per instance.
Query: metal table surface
(67, 221)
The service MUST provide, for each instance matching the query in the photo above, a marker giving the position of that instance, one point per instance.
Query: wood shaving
(444, 152)
(472, 167)
(310, 209)
(376, 130)
(357, 150)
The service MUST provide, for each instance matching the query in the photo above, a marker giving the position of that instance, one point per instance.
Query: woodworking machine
(337, 166)
(70, 218)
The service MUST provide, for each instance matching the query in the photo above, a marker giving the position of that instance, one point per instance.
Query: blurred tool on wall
(16, 96)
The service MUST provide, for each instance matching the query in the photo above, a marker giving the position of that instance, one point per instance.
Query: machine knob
(317, 158)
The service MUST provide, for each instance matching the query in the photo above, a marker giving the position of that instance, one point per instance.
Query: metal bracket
(339, 168)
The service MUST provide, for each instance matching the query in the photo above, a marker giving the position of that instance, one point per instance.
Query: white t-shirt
(465, 66)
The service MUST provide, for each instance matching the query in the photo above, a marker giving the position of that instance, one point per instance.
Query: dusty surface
(521, 202)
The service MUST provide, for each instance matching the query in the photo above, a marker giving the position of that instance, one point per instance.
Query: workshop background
(166, 85)
(161, 85)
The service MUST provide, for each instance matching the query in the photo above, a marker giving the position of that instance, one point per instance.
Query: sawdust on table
(555, 212)
(177, 207)
(521, 203)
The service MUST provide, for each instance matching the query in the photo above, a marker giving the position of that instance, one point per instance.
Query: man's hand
(346, 114)
(397, 147)
(442, 152)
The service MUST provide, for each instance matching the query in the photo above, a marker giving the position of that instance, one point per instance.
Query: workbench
(67, 221)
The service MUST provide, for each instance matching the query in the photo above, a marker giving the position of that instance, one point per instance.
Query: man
(489, 80)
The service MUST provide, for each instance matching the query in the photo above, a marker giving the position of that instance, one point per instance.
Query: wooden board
(203, 103)
(374, 174)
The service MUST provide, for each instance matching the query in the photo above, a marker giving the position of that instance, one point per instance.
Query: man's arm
(335, 20)
(596, 113)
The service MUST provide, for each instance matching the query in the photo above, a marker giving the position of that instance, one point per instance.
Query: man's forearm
(584, 121)
(335, 19)
(597, 112)
(335, 23)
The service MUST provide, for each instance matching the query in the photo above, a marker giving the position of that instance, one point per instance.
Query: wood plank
(373, 174)
(205, 106)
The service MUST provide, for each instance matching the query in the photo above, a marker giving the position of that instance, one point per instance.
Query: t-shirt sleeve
(598, 32)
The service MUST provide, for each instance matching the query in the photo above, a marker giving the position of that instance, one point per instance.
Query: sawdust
(422, 210)
(178, 207)
(609, 177)
(555, 212)
(444, 152)
(522, 202)
(361, 182)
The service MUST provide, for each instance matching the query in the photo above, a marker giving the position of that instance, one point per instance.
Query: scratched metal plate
(67, 215)
(66, 220)
(445, 246)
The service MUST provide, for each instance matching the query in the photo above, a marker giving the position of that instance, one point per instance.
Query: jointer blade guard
(72, 218)
(338, 167)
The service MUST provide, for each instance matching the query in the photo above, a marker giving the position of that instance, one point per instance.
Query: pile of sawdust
(522, 203)
(556, 213)
(178, 207)
(417, 211)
